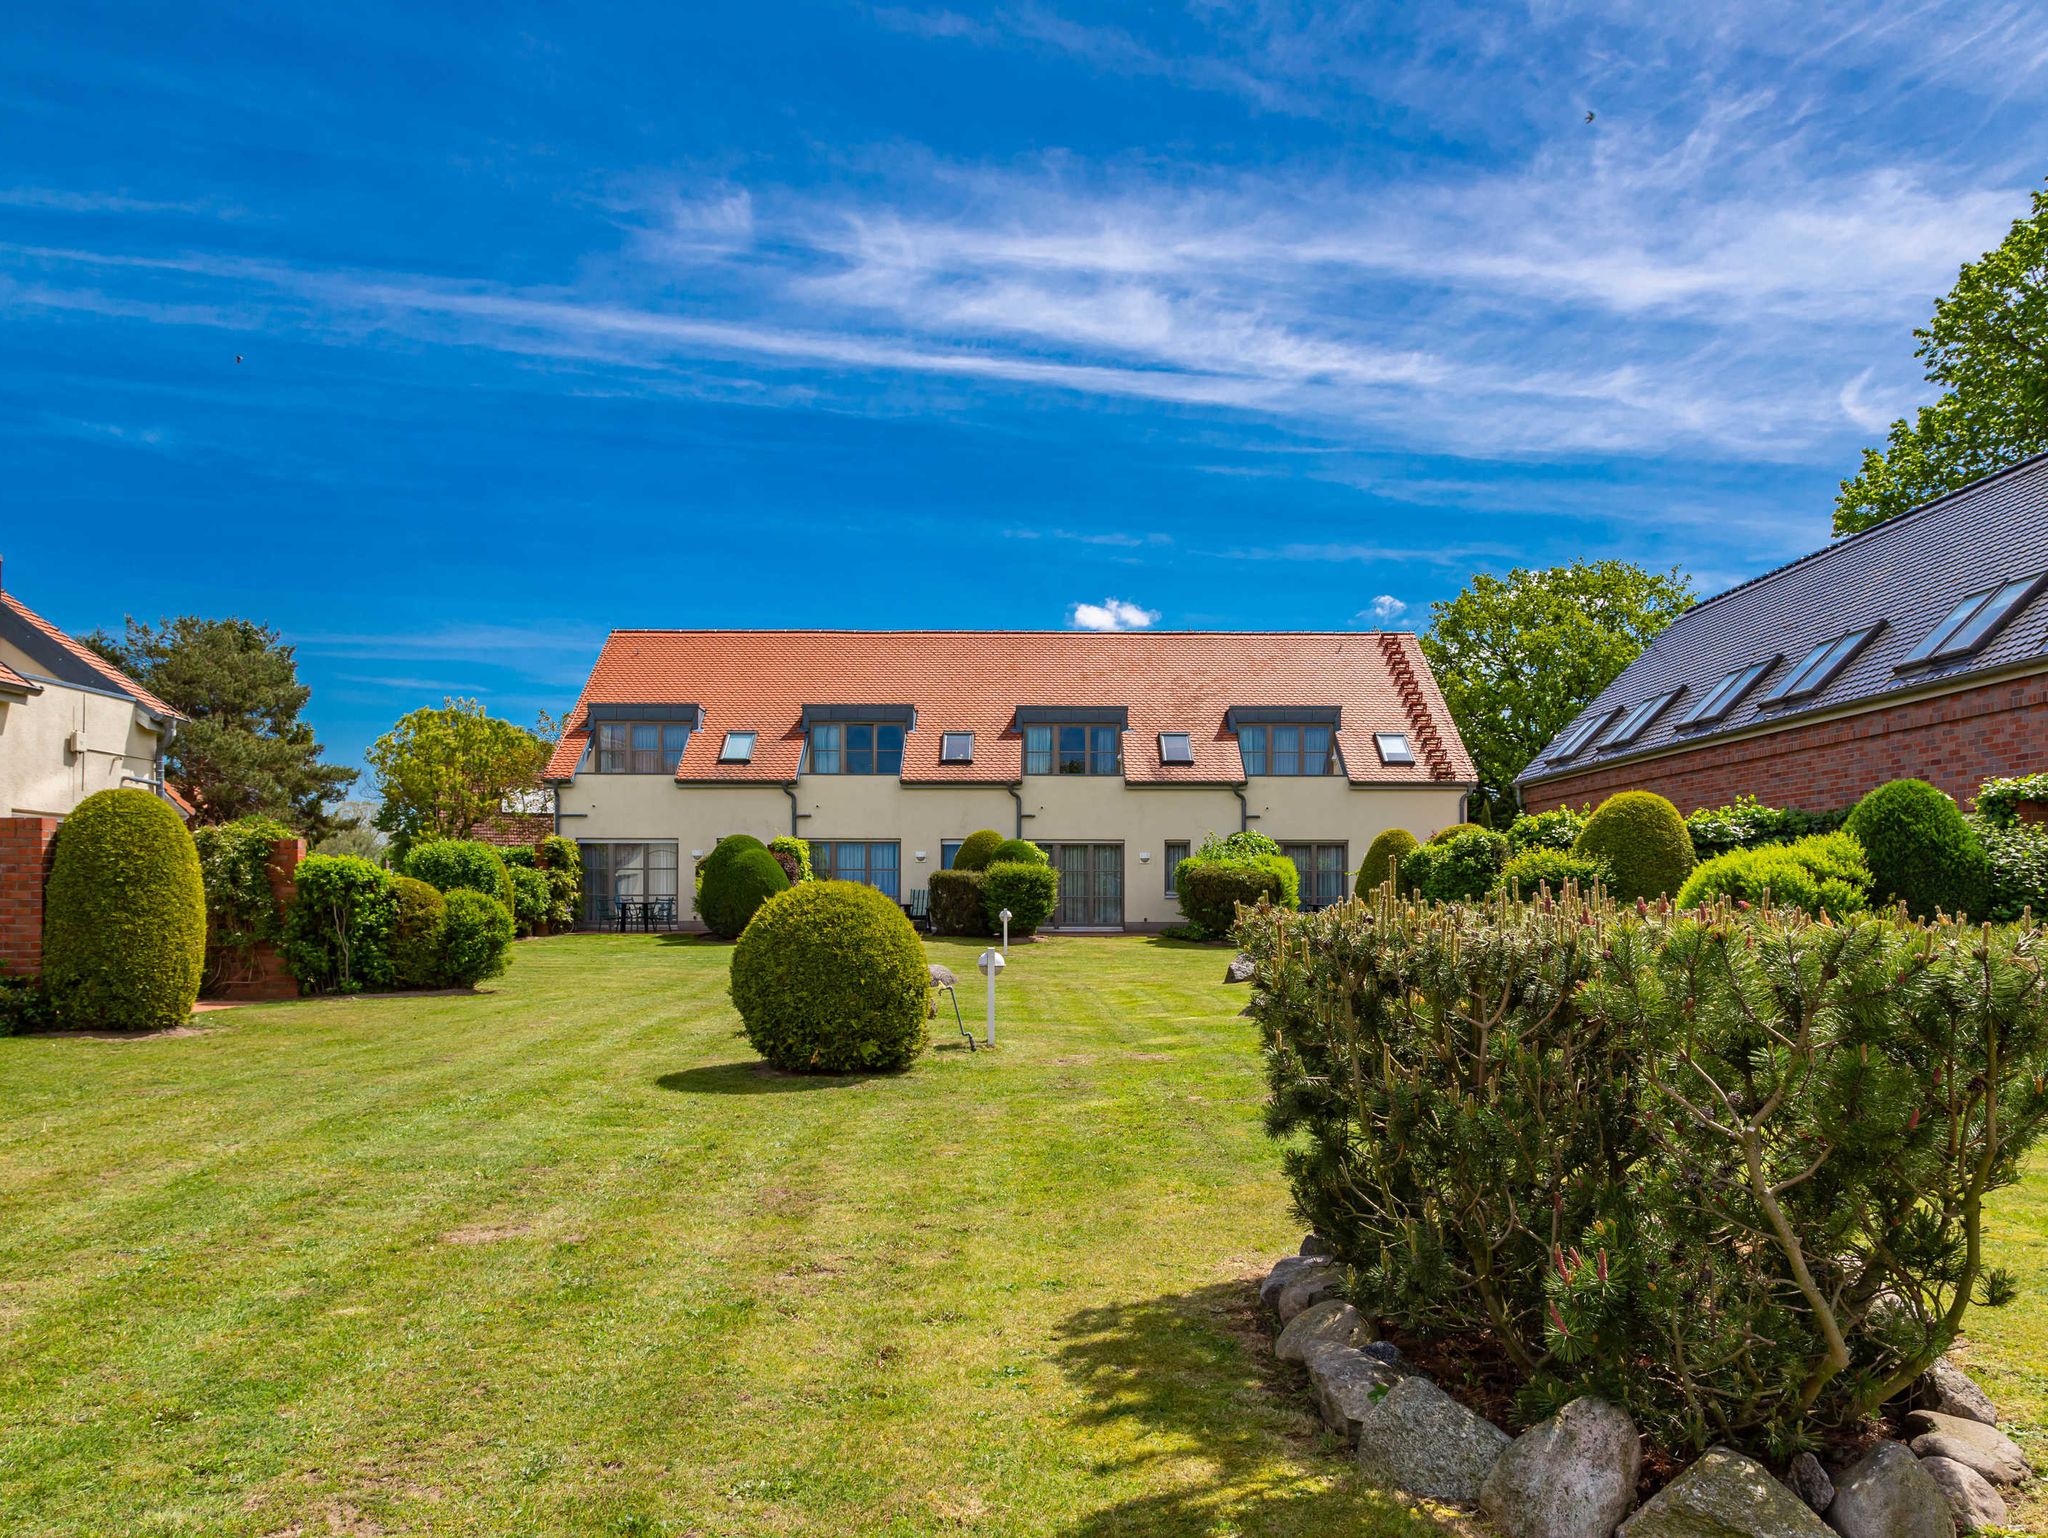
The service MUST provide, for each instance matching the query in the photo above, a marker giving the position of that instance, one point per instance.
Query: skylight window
(1177, 748)
(1820, 665)
(1576, 739)
(1973, 622)
(956, 747)
(738, 748)
(1638, 718)
(1393, 747)
(1723, 696)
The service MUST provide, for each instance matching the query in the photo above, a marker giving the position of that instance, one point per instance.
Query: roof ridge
(85, 654)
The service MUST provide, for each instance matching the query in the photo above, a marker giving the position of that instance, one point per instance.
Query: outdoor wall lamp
(696, 854)
(919, 857)
(1144, 857)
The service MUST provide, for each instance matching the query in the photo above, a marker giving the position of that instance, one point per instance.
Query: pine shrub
(736, 887)
(337, 931)
(977, 849)
(831, 978)
(1921, 851)
(1461, 868)
(124, 916)
(957, 905)
(1030, 891)
(1822, 874)
(419, 915)
(1644, 842)
(461, 864)
(476, 937)
(1382, 861)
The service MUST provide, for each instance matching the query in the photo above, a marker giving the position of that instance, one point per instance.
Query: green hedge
(419, 916)
(1746, 823)
(561, 862)
(2016, 856)
(1644, 842)
(977, 849)
(476, 938)
(464, 864)
(124, 916)
(1461, 868)
(1540, 865)
(337, 931)
(1558, 828)
(830, 978)
(1210, 891)
(1823, 874)
(1031, 891)
(1673, 1155)
(531, 900)
(1012, 851)
(1383, 860)
(1921, 851)
(957, 906)
(736, 887)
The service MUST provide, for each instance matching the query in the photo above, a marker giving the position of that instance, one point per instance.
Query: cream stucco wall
(39, 774)
(1059, 809)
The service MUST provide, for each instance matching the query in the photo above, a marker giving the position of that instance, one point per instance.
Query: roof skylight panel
(1973, 622)
(1820, 665)
(1722, 697)
(1576, 738)
(1637, 720)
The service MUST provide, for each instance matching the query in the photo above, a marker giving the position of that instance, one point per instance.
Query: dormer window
(956, 747)
(1288, 750)
(1072, 749)
(1393, 748)
(640, 747)
(1177, 749)
(857, 747)
(738, 748)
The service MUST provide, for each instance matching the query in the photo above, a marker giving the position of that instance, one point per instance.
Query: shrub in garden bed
(1558, 828)
(1382, 860)
(476, 938)
(977, 849)
(1462, 867)
(337, 931)
(24, 1006)
(241, 908)
(418, 918)
(561, 862)
(1822, 874)
(1644, 842)
(1016, 851)
(2016, 856)
(1746, 823)
(830, 978)
(1211, 890)
(1030, 891)
(793, 854)
(734, 889)
(1722, 1167)
(1920, 850)
(1541, 865)
(452, 864)
(530, 900)
(124, 916)
(956, 902)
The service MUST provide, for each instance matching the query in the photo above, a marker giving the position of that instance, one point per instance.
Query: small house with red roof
(1117, 753)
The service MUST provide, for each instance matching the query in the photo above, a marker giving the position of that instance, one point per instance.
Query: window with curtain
(845, 747)
(1322, 871)
(1073, 750)
(1176, 851)
(1288, 749)
(613, 871)
(640, 747)
(878, 865)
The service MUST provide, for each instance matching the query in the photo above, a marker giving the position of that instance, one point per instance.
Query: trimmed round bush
(1030, 891)
(418, 918)
(957, 906)
(1540, 865)
(729, 848)
(1445, 835)
(531, 900)
(736, 888)
(1383, 860)
(830, 978)
(476, 938)
(1014, 851)
(1824, 874)
(1920, 850)
(451, 864)
(1644, 842)
(337, 931)
(124, 916)
(1210, 891)
(1461, 868)
(977, 849)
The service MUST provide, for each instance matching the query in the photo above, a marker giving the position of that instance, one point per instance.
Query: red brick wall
(1956, 741)
(266, 976)
(509, 830)
(25, 844)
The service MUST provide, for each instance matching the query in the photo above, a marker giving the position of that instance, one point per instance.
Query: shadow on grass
(752, 1078)
(1193, 1377)
(696, 937)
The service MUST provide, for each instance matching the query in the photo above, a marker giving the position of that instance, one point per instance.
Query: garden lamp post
(1005, 917)
(991, 962)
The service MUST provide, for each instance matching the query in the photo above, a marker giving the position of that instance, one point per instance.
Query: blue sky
(557, 319)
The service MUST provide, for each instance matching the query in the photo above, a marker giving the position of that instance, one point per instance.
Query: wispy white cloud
(1111, 614)
(1384, 608)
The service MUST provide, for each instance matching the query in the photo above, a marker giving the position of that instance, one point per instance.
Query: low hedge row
(354, 927)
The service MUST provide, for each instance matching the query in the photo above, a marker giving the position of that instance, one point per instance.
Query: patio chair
(919, 908)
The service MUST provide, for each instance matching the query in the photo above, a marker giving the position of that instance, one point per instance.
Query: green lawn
(558, 1259)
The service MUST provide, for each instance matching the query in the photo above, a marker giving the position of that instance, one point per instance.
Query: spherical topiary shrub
(451, 864)
(727, 849)
(476, 938)
(736, 887)
(1030, 891)
(124, 916)
(1643, 840)
(830, 978)
(1920, 850)
(977, 849)
(416, 933)
(1445, 835)
(1382, 860)
(1018, 851)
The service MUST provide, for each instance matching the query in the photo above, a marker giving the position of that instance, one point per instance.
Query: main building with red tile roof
(1116, 752)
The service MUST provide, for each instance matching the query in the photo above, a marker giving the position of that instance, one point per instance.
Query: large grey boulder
(1346, 1383)
(1947, 1389)
(1241, 969)
(1315, 1244)
(1810, 1482)
(1419, 1439)
(1285, 1270)
(1886, 1494)
(1972, 1497)
(1572, 1476)
(1331, 1319)
(1306, 1288)
(1984, 1448)
(1724, 1495)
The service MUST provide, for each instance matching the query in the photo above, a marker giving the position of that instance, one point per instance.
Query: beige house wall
(39, 774)
(1059, 809)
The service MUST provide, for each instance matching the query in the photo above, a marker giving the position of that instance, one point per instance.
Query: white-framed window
(738, 748)
(956, 747)
(1177, 849)
(1176, 749)
(1393, 747)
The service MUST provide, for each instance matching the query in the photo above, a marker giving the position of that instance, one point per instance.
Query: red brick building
(1918, 648)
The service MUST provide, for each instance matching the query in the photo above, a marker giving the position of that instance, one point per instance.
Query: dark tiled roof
(83, 656)
(1908, 573)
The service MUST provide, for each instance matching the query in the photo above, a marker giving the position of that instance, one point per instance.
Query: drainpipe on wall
(1245, 815)
(795, 816)
(1018, 796)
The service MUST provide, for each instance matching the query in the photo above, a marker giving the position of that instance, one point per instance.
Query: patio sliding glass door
(1091, 885)
(615, 871)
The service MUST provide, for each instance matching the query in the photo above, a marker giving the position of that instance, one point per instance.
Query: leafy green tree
(1519, 656)
(243, 750)
(442, 772)
(1987, 347)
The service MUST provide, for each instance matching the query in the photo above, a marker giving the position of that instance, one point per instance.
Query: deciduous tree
(442, 772)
